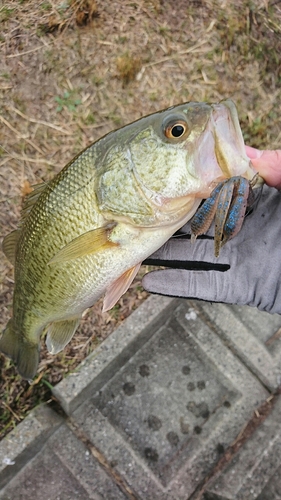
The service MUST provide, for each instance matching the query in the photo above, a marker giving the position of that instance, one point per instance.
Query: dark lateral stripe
(187, 265)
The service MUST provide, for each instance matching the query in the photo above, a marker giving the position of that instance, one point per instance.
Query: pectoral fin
(9, 245)
(118, 287)
(85, 244)
(60, 333)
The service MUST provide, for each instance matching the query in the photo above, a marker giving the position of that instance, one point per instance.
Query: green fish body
(86, 232)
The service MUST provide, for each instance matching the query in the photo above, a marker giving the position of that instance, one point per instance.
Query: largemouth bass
(86, 232)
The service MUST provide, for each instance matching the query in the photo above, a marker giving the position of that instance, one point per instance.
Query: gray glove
(248, 270)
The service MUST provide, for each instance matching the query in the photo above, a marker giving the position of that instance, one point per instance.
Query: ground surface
(72, 71)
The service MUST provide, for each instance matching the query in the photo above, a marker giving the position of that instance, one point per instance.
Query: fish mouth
(229, 144)
(221, 152)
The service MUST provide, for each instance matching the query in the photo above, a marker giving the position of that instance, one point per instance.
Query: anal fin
(60, 333)
(118, 287)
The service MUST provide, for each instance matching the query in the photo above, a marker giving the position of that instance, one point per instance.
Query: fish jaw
(220, 153)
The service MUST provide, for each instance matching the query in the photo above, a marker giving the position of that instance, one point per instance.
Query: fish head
(172, 159)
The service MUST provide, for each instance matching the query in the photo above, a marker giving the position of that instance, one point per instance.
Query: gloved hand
(248, 270)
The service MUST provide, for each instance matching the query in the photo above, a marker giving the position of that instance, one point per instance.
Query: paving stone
(255, 471)
(163, 417)
(44, 478)
(111, 354)
(78, 459)
(272, 490)
(62, 470)
(255, 336)
(22, 443)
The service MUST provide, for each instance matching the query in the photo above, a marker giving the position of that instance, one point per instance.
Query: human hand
(248, 270)
(268, 165)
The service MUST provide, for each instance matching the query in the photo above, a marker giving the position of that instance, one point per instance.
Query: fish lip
(229, 147)
(224, 115)
(220, 151)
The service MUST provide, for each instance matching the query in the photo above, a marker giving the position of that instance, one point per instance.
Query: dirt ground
(71, 71)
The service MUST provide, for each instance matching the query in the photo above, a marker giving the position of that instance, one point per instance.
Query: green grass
(6, 13)
(69, 100)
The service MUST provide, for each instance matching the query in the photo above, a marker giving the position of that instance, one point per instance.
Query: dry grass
(70, 71)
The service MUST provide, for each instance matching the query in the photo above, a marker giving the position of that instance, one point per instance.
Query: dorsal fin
(31, 198)
(10, 241)
(9, 245)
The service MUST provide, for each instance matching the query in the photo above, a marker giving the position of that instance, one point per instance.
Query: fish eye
(176, 129)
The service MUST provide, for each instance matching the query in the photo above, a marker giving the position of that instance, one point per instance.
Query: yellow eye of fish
(176, 129)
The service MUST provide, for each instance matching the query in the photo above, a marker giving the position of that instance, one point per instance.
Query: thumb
(268, 165)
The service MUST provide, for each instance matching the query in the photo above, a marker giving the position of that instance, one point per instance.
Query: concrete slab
(253, 335)
(63, 469)
(272, 490)
(255, 471)
(83, 465)
(165, 413)
(111, 354)
(25, 441)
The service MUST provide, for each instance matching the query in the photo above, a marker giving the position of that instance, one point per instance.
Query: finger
(253, 153)
(178, 249)
(268, 164)
(211, 286)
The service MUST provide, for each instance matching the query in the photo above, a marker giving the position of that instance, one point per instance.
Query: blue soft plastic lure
(227, 205)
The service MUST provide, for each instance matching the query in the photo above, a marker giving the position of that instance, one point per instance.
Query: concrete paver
(154, 408)
(25, 441)
(94, 371)
(45, 478)
(63, 469)
(172, 408)
(272, 490)
(254, 472)
(253, 335)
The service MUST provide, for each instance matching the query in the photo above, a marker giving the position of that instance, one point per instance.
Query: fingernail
(253, 152)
